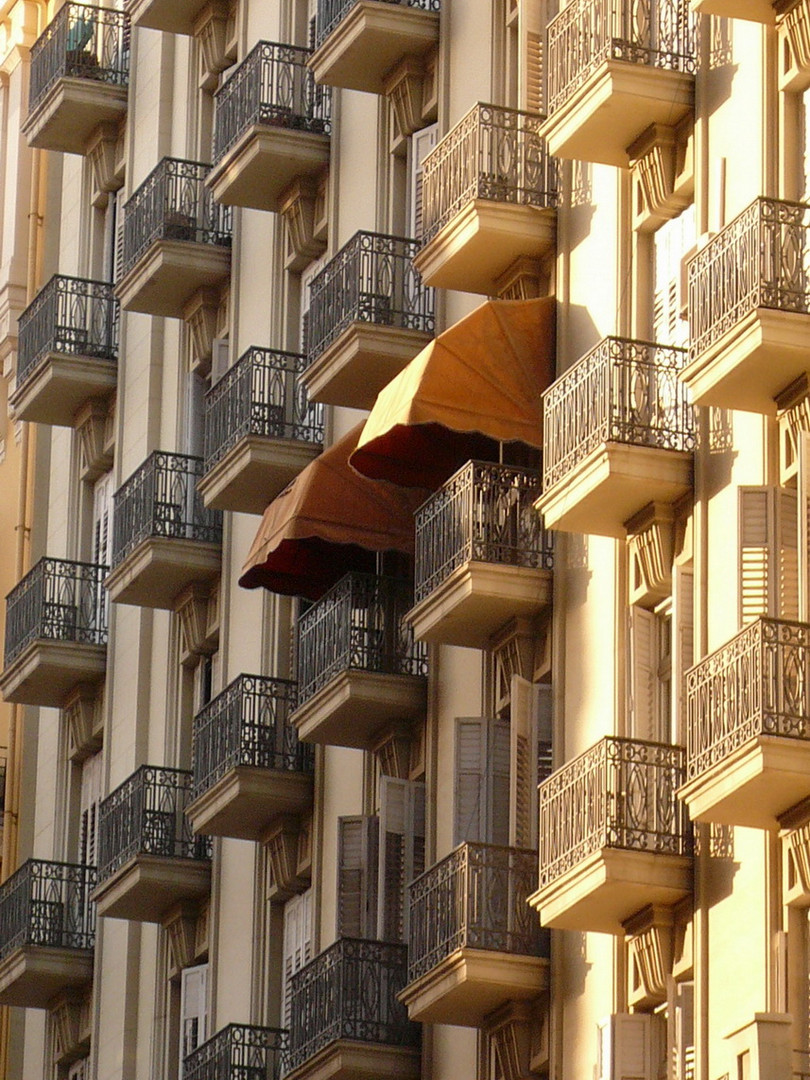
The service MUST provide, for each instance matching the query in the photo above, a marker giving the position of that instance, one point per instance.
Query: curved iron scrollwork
(332, 12)
(237, 1052)
(48, 904)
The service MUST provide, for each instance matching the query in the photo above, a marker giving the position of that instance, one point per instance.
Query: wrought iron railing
(758, 683)
(237, 1052)
(248, 724)
(621, 793)
(370, 280)
(357, 625)
(274, 87)
(81, 41)
(47, 904)
(493, 153)
(475, 898)
(587, 33)
(621, 391)
(332, 12)
(160, 499)
(761, 259)
(58, 600)
(484, 513)
(146, 816)
(262, 394)
(70, 316)
(173, 203)
(349, 991)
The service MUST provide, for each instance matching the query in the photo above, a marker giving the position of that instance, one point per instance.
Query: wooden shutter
(422, 142)
(357, 876)
(671, 242)
(402, 852)
(787, 563)
(482, 790)
(530, 59)
(297, 945)
(768, 553)
(102, 519)
(625, 1048)
(680, 1030)
(530, 754)
(804, 525)
(643, 676)
(91, 794)
(683, 648)
(193, 1009)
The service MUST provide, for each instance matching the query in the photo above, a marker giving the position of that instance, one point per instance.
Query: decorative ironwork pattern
(146, 816)
(332, 12)
(173, 203)
(484, 513)
(357, 625)
(83, 42)
(237, 1052)
(274, 87)
(161, 499)
(475, 898)
(57, 600)
(248, 724)
(371, 280)
(618, 794)
(588, 33)
(262, 394)
(47, 904)
(761, 259)
(493, 153)
(621, 391)
(349, 991)
(758, 683)
(72, 316)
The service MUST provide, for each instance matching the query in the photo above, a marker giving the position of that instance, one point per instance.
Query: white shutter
(193, 1010)
(803, 514)
(643, 676)
(682, 644)
(768, 552)
(680, 1030)
(102, 519)
(530, 752)
(91, 794)
(625, 1048)
(357, 876)
(297, 945)
(402, 852)
(530, 61)
(114, 255)
(604, 1050)
(307, 277)
(482, 789)
(220, 355)
(670, 243)
(422, 142)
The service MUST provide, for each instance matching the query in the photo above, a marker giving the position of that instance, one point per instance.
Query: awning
(477, 384)
(328, 521)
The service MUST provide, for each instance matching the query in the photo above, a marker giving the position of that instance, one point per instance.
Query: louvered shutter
(682, 644)
(297, 945)
(530, 61)
(357, 876)
(680, 1030)
(307, 277)
(422, 142)
(625, 1048)
(91, 794)
(193, 1010)
(787, 547)
(804, 525)
(530, 751)
(768, 552)
(102, 519)
(402, 852)
(671, 242)
(643, 676)
(482, 787)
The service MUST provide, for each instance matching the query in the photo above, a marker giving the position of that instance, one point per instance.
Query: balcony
(260, 431)
(148, 858)
(359, 41)
(187, 17)
(271, 126)
(474, 943)
(615, 68)
(345, 1020)
(47, 932)
(489, 196)
(618, 434)
(176, 240)
(358, 666)
(237, 1052)
(748, 727)
(68, 350)
(761, 11)
(749, 299)
(369, 315)
(249, 766)
(56, 632)
(482, 556)
(79, 77)
(613, 836)
(164, 539)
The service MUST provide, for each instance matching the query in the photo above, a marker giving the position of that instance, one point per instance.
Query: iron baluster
(47, 904)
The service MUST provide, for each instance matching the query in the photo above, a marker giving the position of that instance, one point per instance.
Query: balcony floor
(161, 567)
(476, 600)
(146, 887)
(753, 10)
(482, 241)
(168, 275)
(253, 472)
(30, 977)
(244, 803)
(613, 483)
(471, 983)
(59, 385)
(347, 1059)
(265, 161)
(71, 111)
(171, 16)
(46, 671)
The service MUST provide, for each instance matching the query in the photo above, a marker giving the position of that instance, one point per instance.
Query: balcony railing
(349, 992)
(262, 394)
(587, 33)
(272, 86)
(618, 794)
(47, 904)
(173, 203)
(484, 513)
(622, 391)
(160, 499)
(57, 600)
(238, 1052)
(475, 898)
(357, 625)
(146, 816)
(758, 683)
(82, 42)
(70, 316)
(759, 260)
(370, 280)
(248, 724)
(493, 153)
(332, 12)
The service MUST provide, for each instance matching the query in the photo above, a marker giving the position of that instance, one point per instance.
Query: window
(193, 1010)
(91, 795)
(297, 948)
